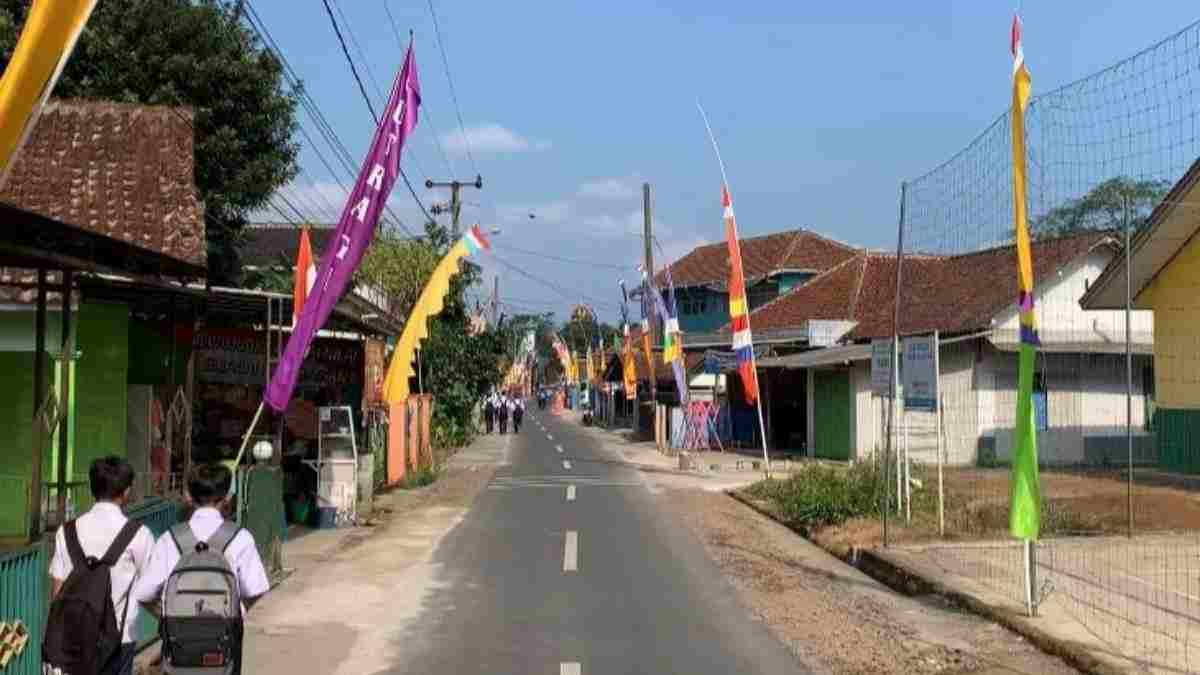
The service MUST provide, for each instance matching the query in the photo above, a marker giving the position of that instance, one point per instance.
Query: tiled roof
(268, 244)
(121, 170)
(953, 294)
(761, 256)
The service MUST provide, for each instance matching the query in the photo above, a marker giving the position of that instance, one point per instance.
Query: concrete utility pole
(455, 207)
(495, 300)
(647, 215)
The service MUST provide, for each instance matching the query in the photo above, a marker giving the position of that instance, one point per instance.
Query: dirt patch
(834, 618)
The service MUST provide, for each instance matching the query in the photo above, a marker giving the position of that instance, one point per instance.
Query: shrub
(822, 495)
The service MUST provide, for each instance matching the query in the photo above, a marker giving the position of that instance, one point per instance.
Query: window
(1041, 404)
(1148, 403)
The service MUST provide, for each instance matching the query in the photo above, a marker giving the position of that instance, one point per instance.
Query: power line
(572, 261)
(363, 90)
(314, 111)
(566, 293)
(437, 31)
(433, 127)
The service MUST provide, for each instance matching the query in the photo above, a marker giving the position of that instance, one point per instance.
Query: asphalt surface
(536, 584)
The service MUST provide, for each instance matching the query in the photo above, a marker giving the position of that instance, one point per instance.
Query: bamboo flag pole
(753, 359)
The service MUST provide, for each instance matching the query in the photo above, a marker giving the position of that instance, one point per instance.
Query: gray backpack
(201, 626)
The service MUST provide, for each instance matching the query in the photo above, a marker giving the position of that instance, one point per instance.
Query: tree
(1104, 207)
(191, 53)
(458, 368)
(399, 267)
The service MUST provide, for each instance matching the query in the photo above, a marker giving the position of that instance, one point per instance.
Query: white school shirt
(97, 529)
(241, 554)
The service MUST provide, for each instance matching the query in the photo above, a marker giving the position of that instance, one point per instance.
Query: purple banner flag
(344, 250)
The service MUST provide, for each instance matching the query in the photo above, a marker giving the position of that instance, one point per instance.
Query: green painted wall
(1178, 439)
(16, 450)
(101, 378)
(150, 353)
(831, 415)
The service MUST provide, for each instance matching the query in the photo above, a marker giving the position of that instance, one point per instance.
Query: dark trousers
(517, 421)
(503, 424)
(122, 661)
(489, 419)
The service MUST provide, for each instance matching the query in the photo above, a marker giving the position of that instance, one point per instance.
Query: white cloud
(489, 138)
(609, 189)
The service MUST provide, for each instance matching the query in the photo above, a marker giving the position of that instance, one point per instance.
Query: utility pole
(647, 215)
(495, 300)
(455, 207)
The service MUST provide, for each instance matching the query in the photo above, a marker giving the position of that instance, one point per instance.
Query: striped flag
(306, 274)
(739, 311)
(1025, 501)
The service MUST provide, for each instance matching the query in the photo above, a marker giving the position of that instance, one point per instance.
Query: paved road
(564, 567)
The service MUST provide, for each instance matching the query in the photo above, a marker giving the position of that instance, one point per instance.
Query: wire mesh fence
(1120, 549)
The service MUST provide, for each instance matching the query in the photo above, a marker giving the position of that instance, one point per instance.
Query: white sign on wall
(918, 373)
(881, 367)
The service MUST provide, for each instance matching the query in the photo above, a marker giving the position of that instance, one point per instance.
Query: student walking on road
(489, 412)
(518, 412)
(502, 412)
(97, 558)
(219, 558)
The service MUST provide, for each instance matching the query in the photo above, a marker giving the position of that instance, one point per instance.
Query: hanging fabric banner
(355, 229)
(430, 303)
(1025, 507)
(51, 29)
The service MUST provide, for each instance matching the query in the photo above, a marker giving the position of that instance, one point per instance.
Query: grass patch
(420, 478)
(820, 495)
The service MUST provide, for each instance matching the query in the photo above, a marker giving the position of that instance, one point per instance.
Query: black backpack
(82, 633)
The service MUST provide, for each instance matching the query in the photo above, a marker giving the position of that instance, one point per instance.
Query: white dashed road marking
(567, 464)
(570, 669)
(558, 448)
(570, 493)
(571, 553)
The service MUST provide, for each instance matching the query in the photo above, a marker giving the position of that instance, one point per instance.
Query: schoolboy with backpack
(92, 624)
(202, 577)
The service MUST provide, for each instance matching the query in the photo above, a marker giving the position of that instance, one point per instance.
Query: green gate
(24, 592)
(260, 510)
(831, 415)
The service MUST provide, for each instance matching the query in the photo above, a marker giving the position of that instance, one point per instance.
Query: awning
(819, 357)
(1077, 347)
(33, 241)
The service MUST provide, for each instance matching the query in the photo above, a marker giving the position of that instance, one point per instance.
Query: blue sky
(821, 110)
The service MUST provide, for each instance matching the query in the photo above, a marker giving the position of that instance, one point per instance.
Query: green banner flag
(1025, 494)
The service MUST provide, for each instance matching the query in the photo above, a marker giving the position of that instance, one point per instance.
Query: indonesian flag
(306, 274)
(739, 312)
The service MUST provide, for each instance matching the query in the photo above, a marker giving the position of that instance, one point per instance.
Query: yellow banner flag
(47, 39)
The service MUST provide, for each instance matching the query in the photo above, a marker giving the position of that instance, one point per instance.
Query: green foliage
(583, 330)
(457, 367)
(1104, 207)
(820, 495)
(399, 267)
(191, 53)
(419, 478)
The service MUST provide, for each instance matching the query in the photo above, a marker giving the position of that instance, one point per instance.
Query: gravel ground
(834, 617)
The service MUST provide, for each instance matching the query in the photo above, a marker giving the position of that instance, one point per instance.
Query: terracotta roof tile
(761, 256)
(121, 170)
(953, 294)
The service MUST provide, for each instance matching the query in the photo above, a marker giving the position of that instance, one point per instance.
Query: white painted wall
(1059, 316)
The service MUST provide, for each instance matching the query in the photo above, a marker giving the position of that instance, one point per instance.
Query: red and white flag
(306, 274)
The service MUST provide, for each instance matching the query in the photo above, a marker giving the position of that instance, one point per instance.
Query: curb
(893, 574)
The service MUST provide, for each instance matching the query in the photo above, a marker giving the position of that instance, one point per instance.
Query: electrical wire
(363, 90)
(572, 261)
(434, 132)
(310, 106)
(437, 31)
(561, 290)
